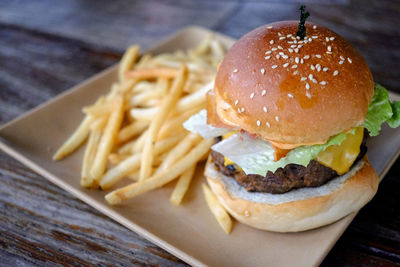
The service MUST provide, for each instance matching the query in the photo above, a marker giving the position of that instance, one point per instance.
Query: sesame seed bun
(289, 91)
(300, 209)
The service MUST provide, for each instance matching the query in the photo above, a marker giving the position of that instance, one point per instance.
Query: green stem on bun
(301, 30)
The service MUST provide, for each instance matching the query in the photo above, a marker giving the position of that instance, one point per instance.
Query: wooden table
(48, 46)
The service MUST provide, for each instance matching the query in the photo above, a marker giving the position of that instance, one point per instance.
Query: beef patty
(283, 179)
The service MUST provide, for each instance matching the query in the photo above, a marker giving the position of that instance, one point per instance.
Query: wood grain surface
(48, 46)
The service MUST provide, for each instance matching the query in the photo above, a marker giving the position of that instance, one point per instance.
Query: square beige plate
(190, 231)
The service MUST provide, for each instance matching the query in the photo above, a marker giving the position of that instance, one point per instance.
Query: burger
(290, 115)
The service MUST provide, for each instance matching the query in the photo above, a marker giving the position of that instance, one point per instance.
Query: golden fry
(155, 125)
(108, 138)
(75, 140)
(217, 209)
(144, 74)
(90, 152)
(131, 130)
(127, 61)
(182, 186)
(166, 176)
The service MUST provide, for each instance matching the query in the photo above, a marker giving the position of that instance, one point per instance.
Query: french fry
(182, 186)
(166, 176)
(99, 110)
(144, 74)
(108, 138)
(75, 140)
(185, 103)
(139, 144)
(217, 209)
(127, 61)
(178, 151)
(132, 163)
(116, 159)
(131, 130)
(90, 152)
(155, 125)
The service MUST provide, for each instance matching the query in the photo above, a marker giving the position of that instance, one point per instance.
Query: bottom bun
(300, 209)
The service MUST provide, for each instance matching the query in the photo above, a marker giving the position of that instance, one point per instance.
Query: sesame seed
(289, 35)
(318, 56)
(269, 27)
(301, 61)
(322, 83)
(271, 42)
(242, 110)
(312, 67)
(318, 67)
(341, 62)
(280, 47)
(309, 39)
(327, 39)
(265, 109)
(290, 42)
(279, 34)
(336, 72)
(277, 118)
(258, 123)
(349, 60)
(296, 60)
(268, 52)
(274, 49)
(310, 77)
(329, 48)
(274, 66)
(295, 72)
(298, 37)
(341, 57)
(281, 53)
(296, 50)
(293, 46)
(285, 56)
(235, 70)
(239, 110)
(262, 71)
(299, 46)
(290, 95)
(294, 66)
(263, 92)
(314, 27)
(332, 38)
(278, 56)
(268, 125)
(236, 102)
(314, 81)
(267, 57)
(303, 78)
(294, 40)
(252, 95)
(307, 86)
(300, 42)
(328, 52)
(325, 69)
(290, 50)
(314, 37)
(308, 94)
(285, 65)
(281, 38)
(306, 57)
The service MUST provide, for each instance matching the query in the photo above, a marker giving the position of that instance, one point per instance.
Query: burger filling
(283, 179)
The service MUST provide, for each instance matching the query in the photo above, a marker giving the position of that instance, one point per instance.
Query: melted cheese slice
(341, 157)
(226, 160)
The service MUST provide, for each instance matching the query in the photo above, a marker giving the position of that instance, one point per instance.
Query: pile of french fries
(135, 131)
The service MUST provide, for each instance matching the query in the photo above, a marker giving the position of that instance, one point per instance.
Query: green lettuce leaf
(256, 156)
(381, 110)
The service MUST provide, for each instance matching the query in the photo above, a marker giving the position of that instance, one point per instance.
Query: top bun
(290, 91)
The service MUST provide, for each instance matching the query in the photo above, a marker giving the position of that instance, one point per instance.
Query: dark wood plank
(47, 47)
